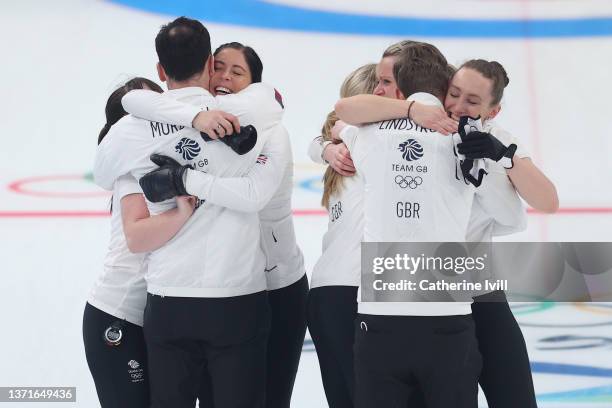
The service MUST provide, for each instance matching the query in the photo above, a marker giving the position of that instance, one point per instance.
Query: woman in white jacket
(332, 301)
(112, 321)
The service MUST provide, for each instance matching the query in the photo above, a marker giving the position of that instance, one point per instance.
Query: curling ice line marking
(261, 14)
(306, 212)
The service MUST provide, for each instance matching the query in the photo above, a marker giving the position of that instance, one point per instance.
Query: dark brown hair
(251, 57)
(425, 56)
(114, 110)
(394, 50)
(421, 75)
(422, 50)
(494, 71)
(183, 47)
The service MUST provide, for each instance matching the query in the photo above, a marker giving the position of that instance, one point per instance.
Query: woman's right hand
(339, 158)
(433, 117)
(185, 205)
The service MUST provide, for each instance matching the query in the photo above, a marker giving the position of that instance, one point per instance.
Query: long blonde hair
(360, 81)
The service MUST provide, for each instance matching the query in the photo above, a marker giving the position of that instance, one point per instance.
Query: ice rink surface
(62, 59)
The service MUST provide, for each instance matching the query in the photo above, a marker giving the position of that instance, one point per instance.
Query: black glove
(164, 182)
(241, 142)
(482, 145)
(467, 164)
(466, 170)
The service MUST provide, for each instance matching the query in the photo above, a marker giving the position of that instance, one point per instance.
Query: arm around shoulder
(259, 104)
(359, 109)
(151, 105)
(372, 108)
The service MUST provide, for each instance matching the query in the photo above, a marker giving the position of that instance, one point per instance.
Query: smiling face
(469, 94)
(231, 72)
(386, 86)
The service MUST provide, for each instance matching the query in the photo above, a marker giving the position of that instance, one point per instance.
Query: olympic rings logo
(408, 181)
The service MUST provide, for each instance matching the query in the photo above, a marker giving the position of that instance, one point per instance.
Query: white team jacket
(339, 262)
(253, 192)
(217, 252)
(412, 194)
(120, 290)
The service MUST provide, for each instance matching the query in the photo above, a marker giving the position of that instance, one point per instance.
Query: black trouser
(331, 322)
(506, 374)
(287, 331)
(224, 337)
(396, 357)
(119, 372)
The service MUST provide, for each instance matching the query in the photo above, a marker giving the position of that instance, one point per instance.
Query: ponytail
(332, 181)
